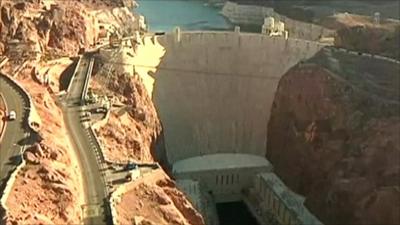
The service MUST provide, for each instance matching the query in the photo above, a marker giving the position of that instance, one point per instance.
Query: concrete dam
(213, 92)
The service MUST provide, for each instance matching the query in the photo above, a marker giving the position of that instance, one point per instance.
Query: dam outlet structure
(214, 92)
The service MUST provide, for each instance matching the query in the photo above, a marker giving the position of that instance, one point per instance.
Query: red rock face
(375, 40)
(130, 134)
(337, 147)
(155, 199)
(62, 29)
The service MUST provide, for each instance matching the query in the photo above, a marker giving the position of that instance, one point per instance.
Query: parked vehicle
(130, 166)
(86, 114)
(12, 115)
(100, 110)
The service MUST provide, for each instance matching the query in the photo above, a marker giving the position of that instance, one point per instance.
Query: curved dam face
(214, 90)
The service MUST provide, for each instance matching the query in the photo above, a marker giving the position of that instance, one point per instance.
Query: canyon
(182, 122)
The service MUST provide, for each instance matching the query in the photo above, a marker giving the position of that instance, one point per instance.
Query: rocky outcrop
(334, 137)
(48, 189)
(156, 200)
(133, 129)
(58, 27)
(361, 33)
(375, 40)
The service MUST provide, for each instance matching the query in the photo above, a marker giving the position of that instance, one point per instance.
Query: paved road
(12, 142)
(96, 211)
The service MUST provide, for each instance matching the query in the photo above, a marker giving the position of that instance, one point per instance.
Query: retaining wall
(4, 110)
(117, 194)
(74, 74)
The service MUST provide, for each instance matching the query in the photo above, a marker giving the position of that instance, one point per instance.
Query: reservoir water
(164, 15)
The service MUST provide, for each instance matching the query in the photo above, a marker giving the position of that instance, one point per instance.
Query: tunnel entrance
(235, 213)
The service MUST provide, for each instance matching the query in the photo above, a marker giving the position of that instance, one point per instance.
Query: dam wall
(214, 90)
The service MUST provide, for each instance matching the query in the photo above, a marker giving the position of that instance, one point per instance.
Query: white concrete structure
(287, 206)
(177, 34)
(220, 178)
(272, 28)
(269, 22)
(200, 200)
(280, 27)
(222, 175)
(377, 18)
(142, 23)
(214, 90)
(192, 189)
(237, 29)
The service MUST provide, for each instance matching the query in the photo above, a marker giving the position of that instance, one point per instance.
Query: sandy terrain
(154, 200)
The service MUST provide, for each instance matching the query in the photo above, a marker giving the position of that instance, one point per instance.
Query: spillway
(214, 90)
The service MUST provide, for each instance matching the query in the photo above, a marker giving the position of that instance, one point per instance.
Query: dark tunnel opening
(235, 213)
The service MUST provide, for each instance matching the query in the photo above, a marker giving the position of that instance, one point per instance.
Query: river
(164, 15)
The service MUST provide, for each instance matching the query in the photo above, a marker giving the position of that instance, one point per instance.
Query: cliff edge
(335, 123)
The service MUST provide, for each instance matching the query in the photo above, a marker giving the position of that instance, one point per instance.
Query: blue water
(164, 15)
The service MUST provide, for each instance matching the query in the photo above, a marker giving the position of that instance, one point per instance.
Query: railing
(74, 74)
(3, 128)
(87, 79)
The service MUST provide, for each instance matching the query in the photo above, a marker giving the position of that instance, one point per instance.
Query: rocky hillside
(335, 126)
(360, 33)
(60, 26)
(49, 189)
(133, 126)
(156, 201)
(57, 27)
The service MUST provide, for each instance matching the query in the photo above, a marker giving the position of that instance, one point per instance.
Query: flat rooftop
(221, 161)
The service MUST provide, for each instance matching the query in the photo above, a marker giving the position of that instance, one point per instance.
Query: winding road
(16, 131)
(96, 211)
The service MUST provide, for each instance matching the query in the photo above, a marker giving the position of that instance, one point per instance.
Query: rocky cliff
(59, 26)
(361, 33)
(334, 137)
(48, 190)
